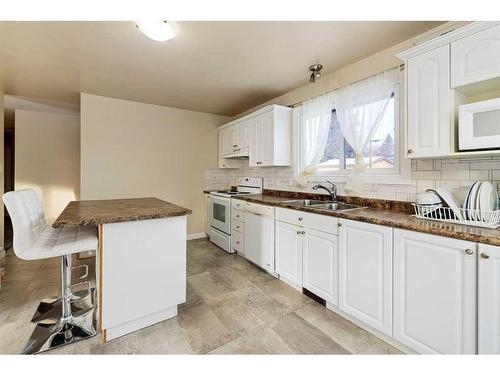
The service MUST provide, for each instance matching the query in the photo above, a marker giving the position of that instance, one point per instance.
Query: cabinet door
(206, 217)
(434, 293)
(429, 105)
(476, 57)
(365, 286)
(267, 139)
(289, 253)
(321, 264)
(226, 138)
(243, 137)
(255, 151)
(489, 300)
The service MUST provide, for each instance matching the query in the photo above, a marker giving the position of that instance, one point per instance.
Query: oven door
(220, 213)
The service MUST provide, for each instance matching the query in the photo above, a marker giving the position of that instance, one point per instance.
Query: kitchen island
(140, 262)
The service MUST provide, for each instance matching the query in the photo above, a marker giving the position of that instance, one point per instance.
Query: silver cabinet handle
(339, 224)
(469, 251)
(259, 162)
(300, 219)
(303, 232)
(298, 232)
(485, 256)
(410, 151)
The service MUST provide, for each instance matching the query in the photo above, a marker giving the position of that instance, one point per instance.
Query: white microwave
(479, 125)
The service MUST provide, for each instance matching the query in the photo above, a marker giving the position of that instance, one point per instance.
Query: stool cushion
(62, 241)
(33, 238)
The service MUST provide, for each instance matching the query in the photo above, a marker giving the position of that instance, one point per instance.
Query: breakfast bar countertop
(95, 212)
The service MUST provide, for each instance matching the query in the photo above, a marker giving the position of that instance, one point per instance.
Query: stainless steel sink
(336, 206)
(323, 205)
(305, 202)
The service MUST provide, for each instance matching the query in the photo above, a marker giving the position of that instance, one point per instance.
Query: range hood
(240, 154)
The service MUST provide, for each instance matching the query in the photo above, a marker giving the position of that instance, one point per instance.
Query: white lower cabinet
(320, 264)
(365, 286)
(489, 300)
(289, 253)
(435, 293)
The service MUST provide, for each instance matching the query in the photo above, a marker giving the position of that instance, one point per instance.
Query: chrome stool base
(53, 333)
(51, 308)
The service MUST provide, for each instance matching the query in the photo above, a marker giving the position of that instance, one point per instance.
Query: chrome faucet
(332, 191)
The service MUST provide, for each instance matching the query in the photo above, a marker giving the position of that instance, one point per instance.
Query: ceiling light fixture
(160, 31)
(316, 72)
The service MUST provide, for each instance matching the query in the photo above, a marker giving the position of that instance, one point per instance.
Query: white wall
(47, 157)
(131, 149)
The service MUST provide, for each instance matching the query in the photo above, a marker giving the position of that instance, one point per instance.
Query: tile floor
(232, 308)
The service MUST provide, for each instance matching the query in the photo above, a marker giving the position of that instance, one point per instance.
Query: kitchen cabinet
(234, 139)
(307, 252)
(320, 264)
(289, 253)
(489, 300)
(429, 121)
(434, 293)
(270, 138)
(476, 57)
(365, 259)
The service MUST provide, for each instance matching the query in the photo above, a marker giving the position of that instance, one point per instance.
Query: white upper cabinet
(234, 139)
(489, 300)
(476, 57)
(270, 138)
(429, 120)
(366, 273)
(434, 293)
(263, 137)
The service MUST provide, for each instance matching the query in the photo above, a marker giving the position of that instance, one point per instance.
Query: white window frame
(400, 174)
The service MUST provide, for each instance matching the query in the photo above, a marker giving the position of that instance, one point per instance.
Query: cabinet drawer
(322, 223)
(238, 242)
(237, 204)
(238, 215)
(238, 226)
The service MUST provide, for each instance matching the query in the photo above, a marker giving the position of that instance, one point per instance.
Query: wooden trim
(99, 282)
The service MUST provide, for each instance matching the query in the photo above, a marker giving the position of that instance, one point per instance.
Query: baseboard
(195, 236)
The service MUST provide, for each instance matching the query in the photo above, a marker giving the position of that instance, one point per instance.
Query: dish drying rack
(478, 218)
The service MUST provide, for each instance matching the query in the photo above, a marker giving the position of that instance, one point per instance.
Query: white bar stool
(60, 323)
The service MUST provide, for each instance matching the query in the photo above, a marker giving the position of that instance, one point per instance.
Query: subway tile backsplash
(456, 174)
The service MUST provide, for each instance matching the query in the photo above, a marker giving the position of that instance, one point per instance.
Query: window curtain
(360, 107)
(314, 128)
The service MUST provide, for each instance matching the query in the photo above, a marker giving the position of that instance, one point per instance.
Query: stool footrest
(85, 274)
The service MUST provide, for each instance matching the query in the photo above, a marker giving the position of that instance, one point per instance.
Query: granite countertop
(94, 212)
(389, 213)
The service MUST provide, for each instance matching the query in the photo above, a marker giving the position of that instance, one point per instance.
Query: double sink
(323, 205)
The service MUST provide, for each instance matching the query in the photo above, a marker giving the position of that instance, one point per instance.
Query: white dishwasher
(259, 235)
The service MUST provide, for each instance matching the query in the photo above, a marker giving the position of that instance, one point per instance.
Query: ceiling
(217, 67)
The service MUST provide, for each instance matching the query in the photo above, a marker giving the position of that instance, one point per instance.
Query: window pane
(379, 152)
(331, 157)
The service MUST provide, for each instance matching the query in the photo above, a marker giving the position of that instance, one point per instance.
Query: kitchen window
(383, 155)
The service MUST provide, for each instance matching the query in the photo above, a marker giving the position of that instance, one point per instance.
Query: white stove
(220, 210)
(244, 186)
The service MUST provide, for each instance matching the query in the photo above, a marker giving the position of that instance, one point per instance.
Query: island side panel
(142, 273)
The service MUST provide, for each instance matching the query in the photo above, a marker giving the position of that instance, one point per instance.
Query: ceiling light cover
(160, 31)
